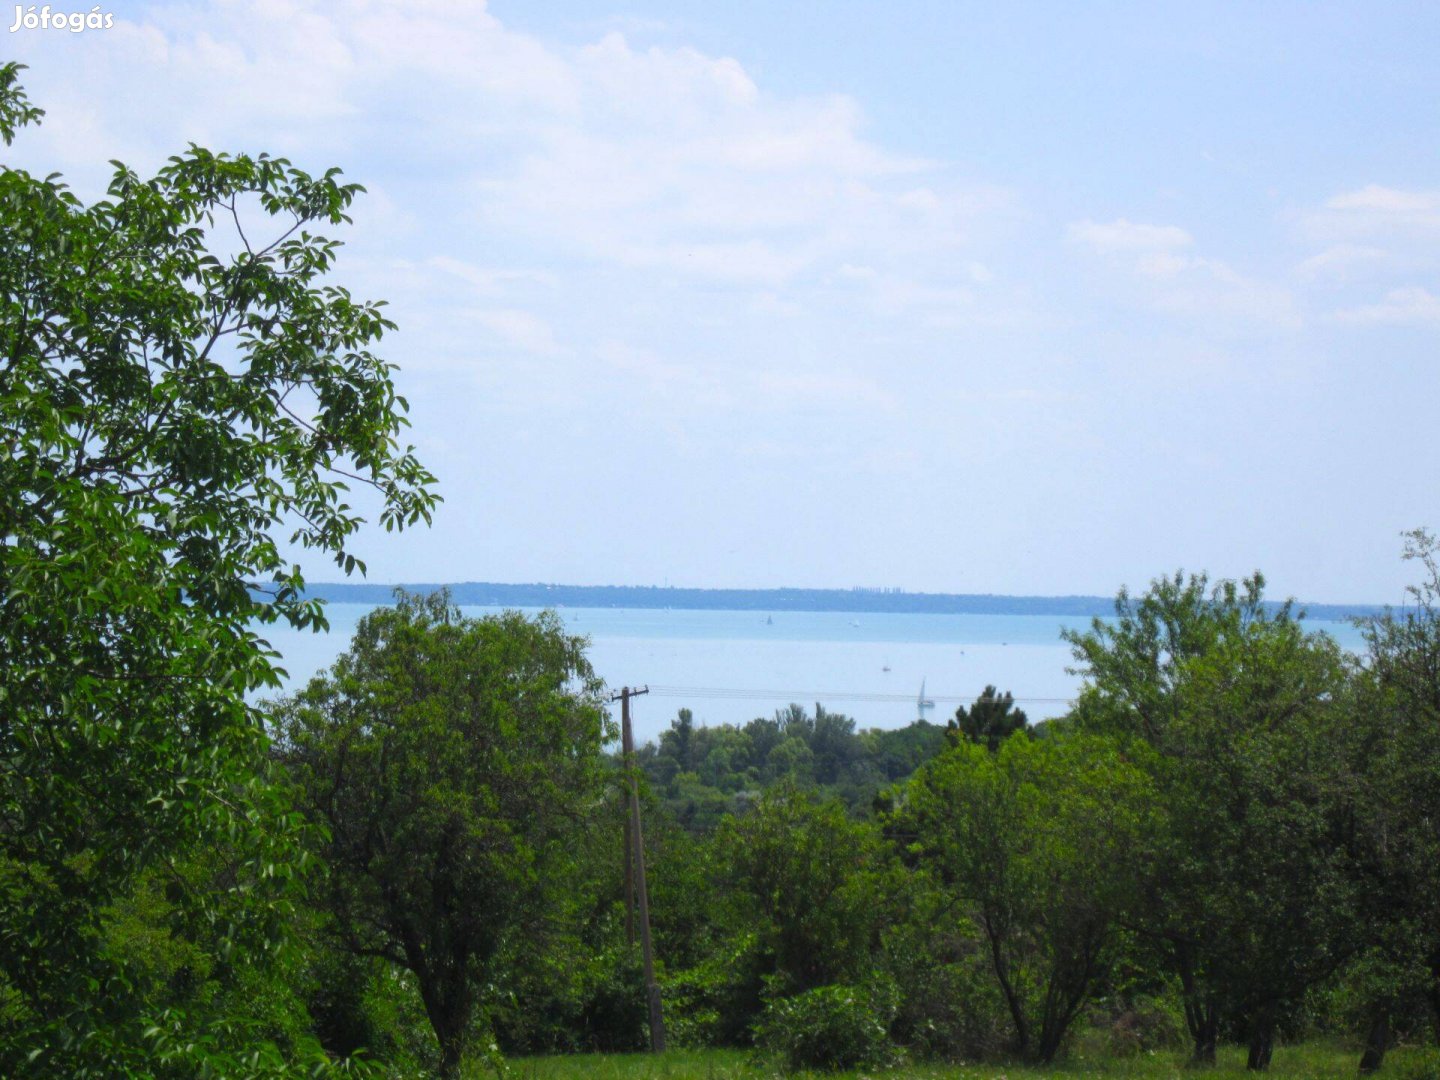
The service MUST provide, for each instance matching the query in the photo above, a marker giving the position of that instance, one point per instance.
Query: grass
(1309, 1061)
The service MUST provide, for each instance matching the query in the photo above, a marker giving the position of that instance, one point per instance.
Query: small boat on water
(922, 703)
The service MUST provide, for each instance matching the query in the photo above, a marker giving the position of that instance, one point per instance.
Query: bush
(831, 1027)
(570, 995)
(365, 1004)
(949, 1006)
(716, 1002)
(1140, 1024)
(614, 1014)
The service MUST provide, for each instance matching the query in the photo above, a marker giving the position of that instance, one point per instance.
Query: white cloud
(1341, 262)
(1124, 237)
(677, 162)
(1383, 238)
(1152, 266)
(488, 280)
(663, 159)
(1376, 214)
(1373, 198)
(1411, 304)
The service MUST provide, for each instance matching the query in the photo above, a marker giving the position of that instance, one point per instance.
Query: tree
(178, 395)
(1039, 843)
(805, 879)
(454, 762)
(1236, 714)
(1394, 743)
(677, 742)
(989, 720)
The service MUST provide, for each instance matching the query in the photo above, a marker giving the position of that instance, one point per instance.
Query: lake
(731, 666)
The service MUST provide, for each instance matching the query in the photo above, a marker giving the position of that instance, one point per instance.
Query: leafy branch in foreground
(177, 398)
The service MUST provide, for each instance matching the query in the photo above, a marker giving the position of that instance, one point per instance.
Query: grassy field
(1312, 1061)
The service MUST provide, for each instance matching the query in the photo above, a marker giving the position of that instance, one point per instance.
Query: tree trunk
(1433, 995)
(1204, 1024)
(1377, 1041)
(1262, 1044)
(1201, 1016)
(1012, 999)
(450, 1051)
(1050, 1042)
(447, 1003)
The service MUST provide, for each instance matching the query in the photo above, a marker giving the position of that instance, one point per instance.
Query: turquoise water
(731, 666)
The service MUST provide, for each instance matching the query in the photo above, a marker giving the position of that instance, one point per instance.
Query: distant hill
(494, 594)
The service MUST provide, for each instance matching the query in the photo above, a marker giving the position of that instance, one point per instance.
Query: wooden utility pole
(635, 863)
(626, 751)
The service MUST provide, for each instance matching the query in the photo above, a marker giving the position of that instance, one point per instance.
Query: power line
(722, 693)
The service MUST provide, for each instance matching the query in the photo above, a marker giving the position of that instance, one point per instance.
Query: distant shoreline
(862, 601)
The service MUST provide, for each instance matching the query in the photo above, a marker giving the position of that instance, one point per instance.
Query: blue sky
(1027, 298)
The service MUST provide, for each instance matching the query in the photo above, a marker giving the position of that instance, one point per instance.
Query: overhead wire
(723, 693)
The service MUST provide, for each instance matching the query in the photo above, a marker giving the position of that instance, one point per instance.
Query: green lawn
(1312, 1060)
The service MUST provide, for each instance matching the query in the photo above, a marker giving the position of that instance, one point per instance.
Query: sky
(1022, 298)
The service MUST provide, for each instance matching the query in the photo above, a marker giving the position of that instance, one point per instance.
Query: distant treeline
(495, 594)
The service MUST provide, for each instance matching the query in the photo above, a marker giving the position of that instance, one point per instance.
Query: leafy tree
(678, 743)
(454, 762)
(764, 733)
(989, 720)
(1394, 743)
(1238, 712)
(701, 773)
(179, 392)
(833, 743)
(1039, 843)
(804, 876)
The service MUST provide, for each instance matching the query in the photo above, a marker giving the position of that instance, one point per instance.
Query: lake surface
(732, 666)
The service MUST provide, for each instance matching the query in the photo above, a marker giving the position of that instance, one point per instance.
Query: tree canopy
(180, 395)
(1234, 711)
(455, 763)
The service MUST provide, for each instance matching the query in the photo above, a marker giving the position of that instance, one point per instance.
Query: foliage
(1393, 746)
(1128, 1026)
(176, 399)
(1235, 713)
(713, 1002)
(703, 773)
(830, 1027)
(362, 1004)
(572, 994)
(803, 876)
(1039, 844)
(455, 763)
(949, 1006)
(989, 720)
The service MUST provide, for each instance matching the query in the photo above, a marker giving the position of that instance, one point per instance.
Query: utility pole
(635, 864)
(626, 750)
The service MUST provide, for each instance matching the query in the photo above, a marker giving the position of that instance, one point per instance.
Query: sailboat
(922, 703)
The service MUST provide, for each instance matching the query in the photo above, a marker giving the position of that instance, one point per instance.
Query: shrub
(716, 1002)
(831, 1027)
(1140, 1024)
(948, 1004)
